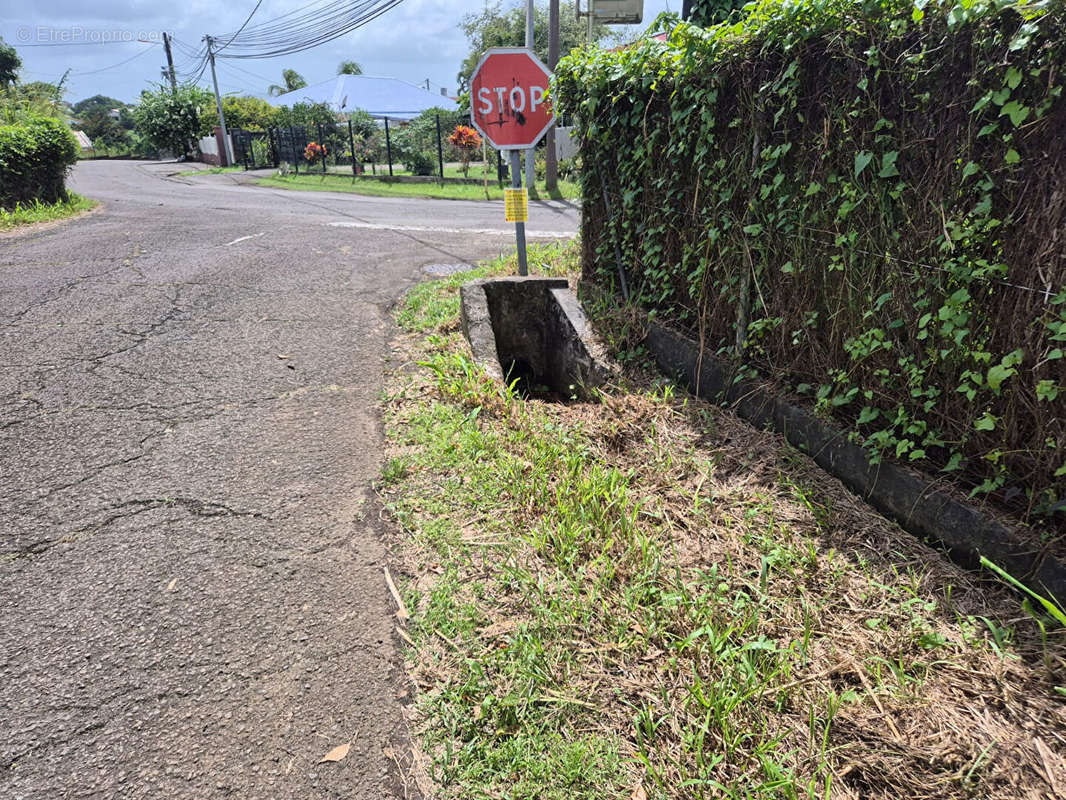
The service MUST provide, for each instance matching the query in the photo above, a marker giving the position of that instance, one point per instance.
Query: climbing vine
(864, 201)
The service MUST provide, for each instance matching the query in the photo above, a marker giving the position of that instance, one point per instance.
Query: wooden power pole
(170, 63)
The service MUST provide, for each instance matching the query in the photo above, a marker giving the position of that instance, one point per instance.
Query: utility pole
(531, 153)
(170, 63)
(551, 164)
(218, 102)
(589, 35)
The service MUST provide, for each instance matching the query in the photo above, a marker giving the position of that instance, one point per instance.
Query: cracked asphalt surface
(190, 552)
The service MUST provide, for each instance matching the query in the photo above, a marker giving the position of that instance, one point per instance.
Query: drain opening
(532, 333)
(528, 383)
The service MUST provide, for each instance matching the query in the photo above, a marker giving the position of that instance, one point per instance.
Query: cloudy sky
(416, 40)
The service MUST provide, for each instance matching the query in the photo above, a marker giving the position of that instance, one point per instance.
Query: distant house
(380, 97)
(85, 144)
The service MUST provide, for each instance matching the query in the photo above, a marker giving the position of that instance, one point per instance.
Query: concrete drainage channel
(533, 332)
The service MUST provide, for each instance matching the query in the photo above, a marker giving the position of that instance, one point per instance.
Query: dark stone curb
(900, 494)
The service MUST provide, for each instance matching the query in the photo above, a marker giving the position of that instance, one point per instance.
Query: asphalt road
(191, 559)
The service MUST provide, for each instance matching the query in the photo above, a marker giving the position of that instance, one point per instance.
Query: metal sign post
(509, 108)
(516, 210)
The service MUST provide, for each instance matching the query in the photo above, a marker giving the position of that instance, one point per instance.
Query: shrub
(419, 163)
(864, 201)
(169, 120)
(34, 159)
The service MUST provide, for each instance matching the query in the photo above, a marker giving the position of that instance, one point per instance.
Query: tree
(248, 113)
(292, 81)
(103, 130)
(496, 27)
(35, 99)
(96, 104)
(349, 68)
(41, 91)
(9, 64)
(171, 120)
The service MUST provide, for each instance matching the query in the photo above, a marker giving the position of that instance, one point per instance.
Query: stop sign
(507, 102)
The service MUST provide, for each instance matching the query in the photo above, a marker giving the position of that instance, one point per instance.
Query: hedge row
(864, 201)
(34, 159)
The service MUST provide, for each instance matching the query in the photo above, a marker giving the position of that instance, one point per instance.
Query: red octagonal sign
(507, 102)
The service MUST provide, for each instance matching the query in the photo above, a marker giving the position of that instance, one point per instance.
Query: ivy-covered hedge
(34, 159)
(866, 202)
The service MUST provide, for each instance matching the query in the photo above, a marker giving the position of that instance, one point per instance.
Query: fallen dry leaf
(337, 753)
(172, 584)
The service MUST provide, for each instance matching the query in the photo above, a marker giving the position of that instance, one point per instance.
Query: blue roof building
(380, 97)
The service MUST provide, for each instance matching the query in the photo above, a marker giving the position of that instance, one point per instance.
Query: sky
(415, 41)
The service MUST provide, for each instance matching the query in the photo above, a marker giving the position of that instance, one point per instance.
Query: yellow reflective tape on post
(516, 205)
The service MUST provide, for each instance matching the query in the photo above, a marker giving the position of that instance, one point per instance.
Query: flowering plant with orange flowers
(313, 152)
(466, 140)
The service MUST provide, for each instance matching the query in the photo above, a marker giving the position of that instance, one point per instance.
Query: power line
(303, 28)
(249, 72)
(75, 44)
(119, 64)
(238, 33)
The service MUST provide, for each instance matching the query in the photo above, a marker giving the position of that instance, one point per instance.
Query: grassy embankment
(646, 598)
(44, 212)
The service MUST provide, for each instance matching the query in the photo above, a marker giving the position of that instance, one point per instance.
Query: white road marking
(439, 229)
(245, 238)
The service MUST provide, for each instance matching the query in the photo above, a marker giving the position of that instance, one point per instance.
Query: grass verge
(44, 212)
(209, 171)
(375, 188)
(646, 598)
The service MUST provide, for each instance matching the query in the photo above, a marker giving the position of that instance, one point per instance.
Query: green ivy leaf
(986, 423)
(888, 165)
(997, 374)
(1046, 390)
(868, 414)
(862, 160)
(1014, 77)
(953, 463)
(1012, 156)
(1016, 111)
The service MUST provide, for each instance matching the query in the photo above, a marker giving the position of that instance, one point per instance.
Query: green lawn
(476, 171)
(376, 188)
(44, 212)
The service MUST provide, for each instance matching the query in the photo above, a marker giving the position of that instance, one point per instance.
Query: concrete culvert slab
(533, 332)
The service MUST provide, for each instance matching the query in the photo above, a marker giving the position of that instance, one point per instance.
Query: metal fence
(420, 147)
